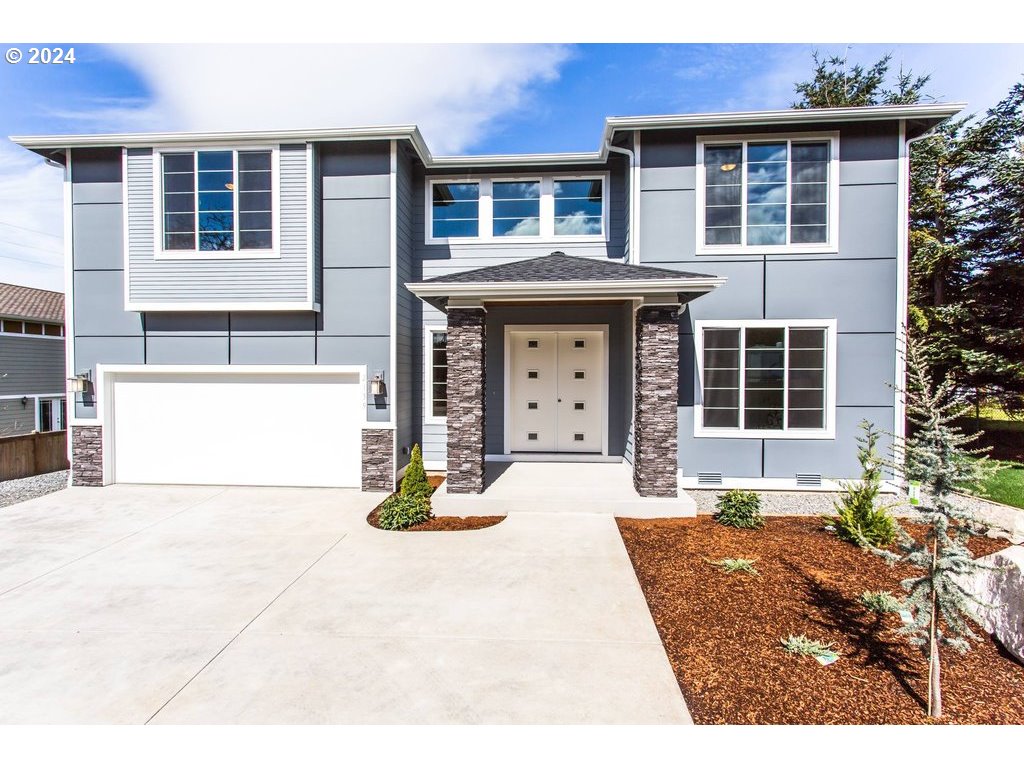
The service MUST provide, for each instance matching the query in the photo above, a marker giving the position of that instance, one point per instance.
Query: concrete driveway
(132, 604)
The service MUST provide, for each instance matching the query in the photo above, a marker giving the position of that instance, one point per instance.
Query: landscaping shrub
(860, 517)
(415, 482)
(737, 565)
(804, 646)
(880, 602)
(398, 512)
(739, 509)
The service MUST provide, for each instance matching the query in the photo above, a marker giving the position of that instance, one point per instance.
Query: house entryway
(557, 389)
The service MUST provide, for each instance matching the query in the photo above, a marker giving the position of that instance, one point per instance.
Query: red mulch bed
(444, 523)
(721, 632)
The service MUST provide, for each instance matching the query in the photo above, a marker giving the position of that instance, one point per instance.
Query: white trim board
(554, 458)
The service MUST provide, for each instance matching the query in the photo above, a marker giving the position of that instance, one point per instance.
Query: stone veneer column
(87, 455)
(467, 333)
(656, 427)
(378, 460)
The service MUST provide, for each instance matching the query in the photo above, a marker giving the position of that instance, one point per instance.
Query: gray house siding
(856, 286)
(237, 279)
(409, 393)
(31, 365)
(353, 327)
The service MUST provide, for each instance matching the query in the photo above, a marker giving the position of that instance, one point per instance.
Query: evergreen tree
(859, 516)
(414, 482)
(936, 456)
(837, 83)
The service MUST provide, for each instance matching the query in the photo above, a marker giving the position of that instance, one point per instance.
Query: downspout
(633, 207)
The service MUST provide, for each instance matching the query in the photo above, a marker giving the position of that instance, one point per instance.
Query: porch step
(560, 487)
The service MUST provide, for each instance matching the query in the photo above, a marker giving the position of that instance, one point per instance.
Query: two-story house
(31, 360)
(713, 299)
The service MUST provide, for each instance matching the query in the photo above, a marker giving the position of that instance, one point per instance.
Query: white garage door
(237, 429)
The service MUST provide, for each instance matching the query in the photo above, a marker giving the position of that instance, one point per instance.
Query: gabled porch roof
(559, 276)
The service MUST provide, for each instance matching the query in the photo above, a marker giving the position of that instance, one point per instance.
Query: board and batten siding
(408, 342)
(217, 281)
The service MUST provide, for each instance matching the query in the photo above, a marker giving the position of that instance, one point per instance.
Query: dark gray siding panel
(236, 279)
(408, 341)
(355, 158)
(856, 286)
(356, 302)
(186, 323)
(833, 459)
(96, 165)
(98, 235)
(352, 232)
(282, 350)
(31, 364)
(273, 323)
(99, 306)
(187, 350)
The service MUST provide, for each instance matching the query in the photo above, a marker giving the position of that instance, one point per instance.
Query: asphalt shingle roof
(558, 267)
(24, 303)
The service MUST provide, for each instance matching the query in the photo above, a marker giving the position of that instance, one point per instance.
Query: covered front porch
(562, 384)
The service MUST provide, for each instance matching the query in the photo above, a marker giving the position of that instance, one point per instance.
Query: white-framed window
(216, 202)
(774, 193)
(766, 378)
(545, 207)
(435, 375)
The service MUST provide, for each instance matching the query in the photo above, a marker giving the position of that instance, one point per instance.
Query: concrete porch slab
(522, 486)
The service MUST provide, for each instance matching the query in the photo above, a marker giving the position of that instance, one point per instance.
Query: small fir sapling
(935, 454)
(859, 515)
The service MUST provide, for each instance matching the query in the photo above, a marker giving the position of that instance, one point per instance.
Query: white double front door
(557, 383)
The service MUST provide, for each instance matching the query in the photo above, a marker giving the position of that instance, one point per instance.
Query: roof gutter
(633, 187)
(555, 288)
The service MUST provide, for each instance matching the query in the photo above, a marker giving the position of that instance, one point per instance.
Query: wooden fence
(33, 454)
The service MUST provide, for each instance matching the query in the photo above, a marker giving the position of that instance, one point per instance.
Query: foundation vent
(808, 480)
(709, 478)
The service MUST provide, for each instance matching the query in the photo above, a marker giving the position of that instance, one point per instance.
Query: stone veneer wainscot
(466, 372)
(378, 462)
(655, 454)
(87, 455)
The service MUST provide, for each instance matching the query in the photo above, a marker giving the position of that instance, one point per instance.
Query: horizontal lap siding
(219, 280)
(31, 365)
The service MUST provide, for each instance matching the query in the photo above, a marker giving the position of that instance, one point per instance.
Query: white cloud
(453, 92)
(31, 215)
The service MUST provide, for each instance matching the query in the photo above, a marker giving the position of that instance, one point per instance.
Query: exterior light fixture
(377, 384)
(80, 383)
(728, 167)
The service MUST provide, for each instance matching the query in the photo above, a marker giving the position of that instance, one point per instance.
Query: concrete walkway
(252, 605)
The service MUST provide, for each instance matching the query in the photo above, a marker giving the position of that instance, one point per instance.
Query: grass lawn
(721, 631)
(1006, 486)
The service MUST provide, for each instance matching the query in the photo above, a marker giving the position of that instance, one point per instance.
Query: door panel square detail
(579, 375)
(532, 405)
(532, 375)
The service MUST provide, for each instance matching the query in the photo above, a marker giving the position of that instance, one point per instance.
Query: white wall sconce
(80, 382)
(377, 383)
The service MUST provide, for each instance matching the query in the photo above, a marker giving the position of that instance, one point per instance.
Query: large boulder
(1003, 590)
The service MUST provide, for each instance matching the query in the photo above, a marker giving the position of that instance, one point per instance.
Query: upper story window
(523, 209)
(217, 200)
(766, 378)
(30, 328)
(768, 194)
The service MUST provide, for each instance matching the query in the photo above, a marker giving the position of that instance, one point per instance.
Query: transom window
(768, 193)
(437, 373)
(502, 208)
(218, 200)
(766, 378)
(30, 328)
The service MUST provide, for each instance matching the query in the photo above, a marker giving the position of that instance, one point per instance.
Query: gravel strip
(25, 488)
(812, 503)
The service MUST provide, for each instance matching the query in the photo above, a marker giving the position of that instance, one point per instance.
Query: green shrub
(737, 565)
(880, 602)
(415, 482)
(740, 509)
(398, 512)
(804, 646)
(860, 518)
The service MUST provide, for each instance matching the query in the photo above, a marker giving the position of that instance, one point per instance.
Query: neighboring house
(31, 360)
(714, 299)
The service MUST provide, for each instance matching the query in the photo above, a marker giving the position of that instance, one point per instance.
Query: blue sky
(466, 98)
